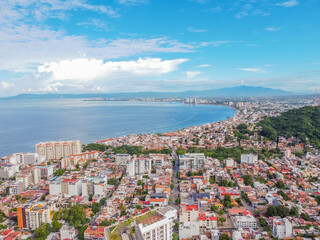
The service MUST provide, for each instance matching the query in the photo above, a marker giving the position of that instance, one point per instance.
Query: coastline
(60, 121)
(192, 126)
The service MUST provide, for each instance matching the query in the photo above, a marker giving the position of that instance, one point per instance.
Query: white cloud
(242, 14)
(23, 48)
(195, 30)
(4, 85)
(132, 2)
(204, 65)
(98, 23)
(272, 29)
(200, 1)
(215, 44)
(290, 3)
(39, 10)
(192, 74)
(85, 69)
(258, 70)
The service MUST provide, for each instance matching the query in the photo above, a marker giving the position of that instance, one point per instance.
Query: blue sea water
(23, 123)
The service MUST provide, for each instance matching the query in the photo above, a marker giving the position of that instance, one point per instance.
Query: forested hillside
(303, 123)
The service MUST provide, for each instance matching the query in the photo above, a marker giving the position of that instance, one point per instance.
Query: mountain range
(238, 91)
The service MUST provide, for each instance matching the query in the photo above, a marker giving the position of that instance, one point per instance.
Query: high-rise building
(57, 150)
(192, 161)
(157, 226)
(32, 216)
(29, 176)
(68, 187)
(249, 158)
(138, 166)
(122, 159)
(282, 228)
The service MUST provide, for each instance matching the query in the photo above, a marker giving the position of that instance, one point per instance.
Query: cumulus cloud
(258, 70)
(85, 69)
(290, 3)
(24, 47)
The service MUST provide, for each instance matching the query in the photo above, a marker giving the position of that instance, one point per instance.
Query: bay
(23, 123)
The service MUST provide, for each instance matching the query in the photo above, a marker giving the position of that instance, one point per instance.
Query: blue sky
(80, 46)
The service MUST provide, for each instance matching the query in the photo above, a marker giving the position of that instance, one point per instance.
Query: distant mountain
(239, 91)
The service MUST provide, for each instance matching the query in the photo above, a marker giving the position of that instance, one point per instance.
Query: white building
(282, 228)
(45, 170)
(16, 188)
(68, 187)
(32, 216)
(230, 162)
(131, 167)
(242, 218)
(138, 166)
(249, 158)
(29, 176)
(28, 158)
(122, 159)
(192, 161)
(68, 232)
(8, 170)
(94, 186)
(57, 150)
(158, 226)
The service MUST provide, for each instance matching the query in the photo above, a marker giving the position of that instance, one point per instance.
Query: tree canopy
(302, 123)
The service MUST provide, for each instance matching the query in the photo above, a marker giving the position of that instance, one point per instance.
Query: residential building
(32, 216)
(122, 159)
(95, 233)
(57, 150)
(157, 226)
(192, 161)
(282, 228)
(68, 232)
(242, 218)
(249, 158)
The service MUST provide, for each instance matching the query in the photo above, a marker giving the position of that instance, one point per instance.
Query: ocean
(23, 123)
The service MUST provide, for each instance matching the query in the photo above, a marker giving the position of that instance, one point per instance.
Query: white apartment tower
(158, 226)
(57, 150)
(282, 228)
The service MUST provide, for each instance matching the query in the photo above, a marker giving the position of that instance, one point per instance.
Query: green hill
(303, 123)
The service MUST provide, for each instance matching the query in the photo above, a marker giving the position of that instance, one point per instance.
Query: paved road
(175, 191)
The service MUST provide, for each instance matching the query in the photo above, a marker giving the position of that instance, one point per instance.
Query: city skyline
(146, 45)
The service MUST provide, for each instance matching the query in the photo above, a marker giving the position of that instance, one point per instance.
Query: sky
(83, 46)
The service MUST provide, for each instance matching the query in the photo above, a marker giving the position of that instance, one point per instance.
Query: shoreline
(192, 126)
(140, 129)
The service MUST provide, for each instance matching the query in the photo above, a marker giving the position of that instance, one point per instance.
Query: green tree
(294, 211)
(280, 184)
(81, 231)
(283, 211)
(305, 216)
(112, 181)
(271, 211)
(248, 180)
(56, 226)
(43, 231)
(174, 236)
(95, 207)
(224, 236)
